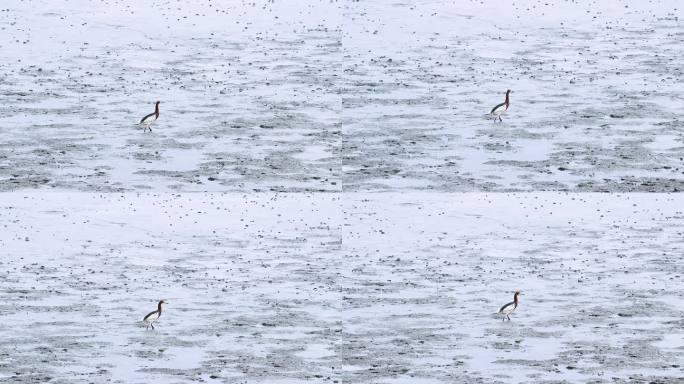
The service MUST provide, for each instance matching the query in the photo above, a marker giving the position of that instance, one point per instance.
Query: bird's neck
(506, 100)
(156, 111)
(159, 309)
(515, 299)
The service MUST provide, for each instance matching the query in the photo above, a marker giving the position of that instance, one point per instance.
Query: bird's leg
(152, 325)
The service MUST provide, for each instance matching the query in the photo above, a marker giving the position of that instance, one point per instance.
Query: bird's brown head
(157, 103)
(518, 293)
(162, 302)
(508, 91)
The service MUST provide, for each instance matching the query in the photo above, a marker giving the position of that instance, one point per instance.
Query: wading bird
(153, 316)
(509, 308)
(501, 108)
(146, 121)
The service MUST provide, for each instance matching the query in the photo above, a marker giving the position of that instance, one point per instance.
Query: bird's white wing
(148, 119)
(507, 308)
(152, 316)
(499, 109)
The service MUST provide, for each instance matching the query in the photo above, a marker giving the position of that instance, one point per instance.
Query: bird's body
(153, 316)
(146, 121)
(508, 308)
(500, 109)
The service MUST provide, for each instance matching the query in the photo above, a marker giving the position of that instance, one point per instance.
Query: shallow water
(392, 287)
(427, 272)
(333, 142)
(326, 96)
